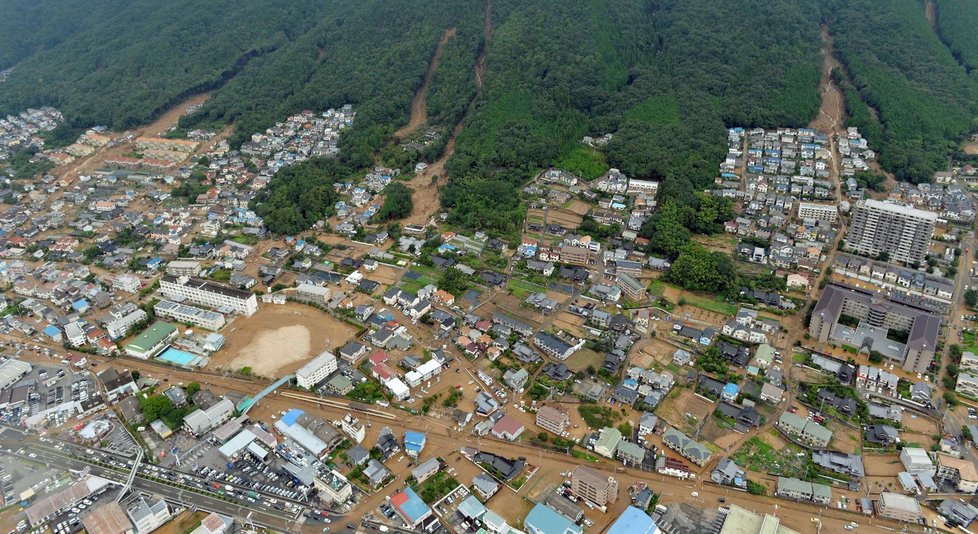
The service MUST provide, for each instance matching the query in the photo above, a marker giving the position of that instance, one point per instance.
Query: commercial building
(108, 518)
(553, 420)
(42, 510)
(152, 341)
(544, 520)
(199, 422)
(901, 231)
(818, 212)
(597, 487)
(118, 328)
(870, 322)
(899, 507)
(12, 371)
(316, 370)
(633, 521)
(147, 515)
(333, 487)
(206, 293)
(742, 521)
(189, 314)
(799, 490)
(916, 460)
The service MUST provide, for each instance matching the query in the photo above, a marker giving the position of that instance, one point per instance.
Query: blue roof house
(730, 392)
(414, 443)
(80, 306)
(410, 507)
(52, 332)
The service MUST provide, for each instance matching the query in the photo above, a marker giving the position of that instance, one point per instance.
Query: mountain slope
(666, 77)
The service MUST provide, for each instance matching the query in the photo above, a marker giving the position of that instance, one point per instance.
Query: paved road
(188, 498)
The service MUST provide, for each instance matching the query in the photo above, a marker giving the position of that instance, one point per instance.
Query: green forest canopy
(665, 76)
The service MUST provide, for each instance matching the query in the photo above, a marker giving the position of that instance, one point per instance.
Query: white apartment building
(126, 282)
(819, 212)
(316, 370)
(425, 371)
(189, 314)
(118, 328)
(206, 293)
(183, 268)
(642, 186)
(967, 384)
(901, 231)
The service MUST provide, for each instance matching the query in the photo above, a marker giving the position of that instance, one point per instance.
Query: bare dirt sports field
(279, 339)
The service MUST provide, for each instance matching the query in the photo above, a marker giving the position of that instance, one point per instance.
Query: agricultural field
(772, 455)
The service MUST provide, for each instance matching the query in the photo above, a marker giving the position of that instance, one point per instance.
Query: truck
(253, 494)
(228, 487)
(383, 528)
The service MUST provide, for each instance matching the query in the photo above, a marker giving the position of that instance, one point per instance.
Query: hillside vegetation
(666, 77)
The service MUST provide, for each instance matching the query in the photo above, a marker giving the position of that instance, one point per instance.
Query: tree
(699, 269)
(397, 203)
(875, 356)
(453, 281)
(193, 388)
(543, 436)
(971, 298)
(755, 488)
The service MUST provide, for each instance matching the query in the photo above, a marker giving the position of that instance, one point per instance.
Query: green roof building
(152, 341)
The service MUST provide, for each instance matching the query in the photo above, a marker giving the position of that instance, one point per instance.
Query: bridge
(132, 474)
(248, 402)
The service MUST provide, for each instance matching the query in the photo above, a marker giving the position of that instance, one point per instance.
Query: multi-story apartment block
(900, 507)
(552, 420)
(819, 212)
(183, 268)
(316, 370)
(792, 488)
(902, 232)
(869, 322)
(594, 486)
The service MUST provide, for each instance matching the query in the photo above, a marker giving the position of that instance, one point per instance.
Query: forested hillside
(924, 98)
(956, 21)
(653, 73)
(666, 77)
